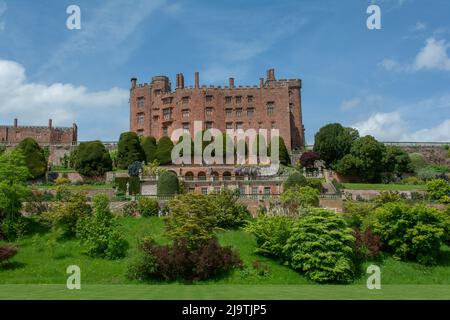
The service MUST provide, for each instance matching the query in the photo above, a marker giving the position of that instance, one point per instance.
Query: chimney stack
(49, 123)
(15, 122)
(261, 82)
(270, 75)
(133, 82)
(231, 82)
(181, 81)
(196, 80)
(178, 81)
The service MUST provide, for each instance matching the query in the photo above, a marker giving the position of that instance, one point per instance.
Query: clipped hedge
(168, 184)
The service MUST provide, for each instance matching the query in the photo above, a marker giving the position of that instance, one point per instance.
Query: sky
(392, 83)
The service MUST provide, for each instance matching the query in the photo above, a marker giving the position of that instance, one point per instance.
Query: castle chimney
(196, 80)
(178, 81)
(49, 123)
(231, 80)
(181, 81)
(15, 122)
(133, 82)
(271, 75)
(261, 82)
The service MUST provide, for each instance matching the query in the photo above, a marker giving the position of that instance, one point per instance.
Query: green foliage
(129, 150)
(92, 159)
(230, 213)
(134, 185)
(168, 184)
(149, 146)
(358, 215)
(134, 169)
(121, 184)
(315, 183)
(333, 141)
(148, 207)
(113, 154)
(412, 180)
(34, 157)
(437, 189)
(410, 232)
(429, 173)
(164, 150)
(283, 153)
(99, 233)
(130, 209)
(418, 161)
(64, 214)
(299, 197)
(322, 247)
(6, 253)
(295, 179)
(271, 233)
(387, 196)
(396, 161)
(191, 218)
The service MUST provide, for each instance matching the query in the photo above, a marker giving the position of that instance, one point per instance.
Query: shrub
(99, 233)
(308, 159)
(322, 247)
(437, 189)
(164, 150)
(299, 197)
(412, 180)
(92, 159)
(230, 214)
(429, 173)
(6, 253)
(315, 183)
(37, 202)
(149, 146)
(295, 179)
(63, 215)
(418, 161)
(168, 184)
(134, 185)
(148, 207)
(130, 209)
(13, 228)
(410, 233)
(179, 262)
(367, 245)
(61, 180)
(121, 183)
(134, 169)
(387, 196)
(129, 150)
(34, 157)
(271, 233)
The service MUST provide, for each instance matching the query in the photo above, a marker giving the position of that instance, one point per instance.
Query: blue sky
(393, 83)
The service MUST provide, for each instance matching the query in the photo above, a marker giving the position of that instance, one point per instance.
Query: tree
(92, 159)
(438, 189)
(283, 153)
(299, 197)
(34, 157)
(149, 146)
(308, 159)
(396, 161)
(230, 214)
(418, 161)
(321, 247)
(168, 184)
(129, 150)
(365, 160)
(295, 179)
(164, 150)
(333, 141)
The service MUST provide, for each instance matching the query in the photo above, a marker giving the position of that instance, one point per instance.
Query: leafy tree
(283, 153)
(134, 169)
(299, 197)
(396, 161)
(438, 189)
(322, 247)
(149, 146)
(168, 184)
(410, 232)
(230, 214)
(164, 150)
(99, 232)
(365, 160)
(308, 158)
(129, 150)
(192, 218)
(295, 179)
(148, 207)
(92, 159)
(34, 157)
(418, 161)
(333, 141)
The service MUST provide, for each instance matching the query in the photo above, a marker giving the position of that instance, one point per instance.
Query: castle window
(209, 111)
(157, 92)
(167, 100)
(140, 132)
(209, 99)
(238, 99)
(229, 125)
(228, 112)
(185, 125)
(204, 190)
(273, 125)
(167, 113)
(291, 107)
(250, 112)
(227, 100)
(238, 112)
(165, 131)
(185, 113)
(270, 108)
(140, 118)
(250, 99)
(208, 125)
(140, 103)
(239, 125)
(185, 100)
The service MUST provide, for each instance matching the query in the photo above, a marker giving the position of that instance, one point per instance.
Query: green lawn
(381, 186)
(76, 187)
(39, 271)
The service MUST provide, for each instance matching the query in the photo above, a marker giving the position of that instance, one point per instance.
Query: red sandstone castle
(49, 135)
(156, 110)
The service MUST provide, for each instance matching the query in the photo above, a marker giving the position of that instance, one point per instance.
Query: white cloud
(391, 127)
(420, 26)
(34, 103)
(350, 104)
(433, 56)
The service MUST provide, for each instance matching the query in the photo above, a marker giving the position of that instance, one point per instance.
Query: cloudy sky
(393, 83)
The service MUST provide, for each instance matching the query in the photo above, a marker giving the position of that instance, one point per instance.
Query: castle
(156, 110)
(44, 135)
